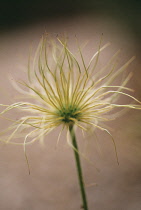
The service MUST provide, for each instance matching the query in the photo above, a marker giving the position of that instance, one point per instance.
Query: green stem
(79, 170)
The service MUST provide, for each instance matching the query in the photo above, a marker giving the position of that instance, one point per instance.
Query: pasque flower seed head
(66, 91)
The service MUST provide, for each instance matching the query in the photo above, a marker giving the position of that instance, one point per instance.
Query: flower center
(69, 113)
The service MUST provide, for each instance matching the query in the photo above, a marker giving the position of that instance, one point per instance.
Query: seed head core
(69, 113)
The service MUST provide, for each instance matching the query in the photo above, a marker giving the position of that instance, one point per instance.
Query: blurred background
(52, 184)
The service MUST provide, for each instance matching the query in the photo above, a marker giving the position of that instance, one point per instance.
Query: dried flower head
(67, 92)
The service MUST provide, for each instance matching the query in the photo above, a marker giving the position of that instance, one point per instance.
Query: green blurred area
(17, 13)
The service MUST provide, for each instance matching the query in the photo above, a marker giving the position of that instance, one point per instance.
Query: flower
(67, 92)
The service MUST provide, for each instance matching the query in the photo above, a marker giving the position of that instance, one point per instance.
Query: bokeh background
(52, 184)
